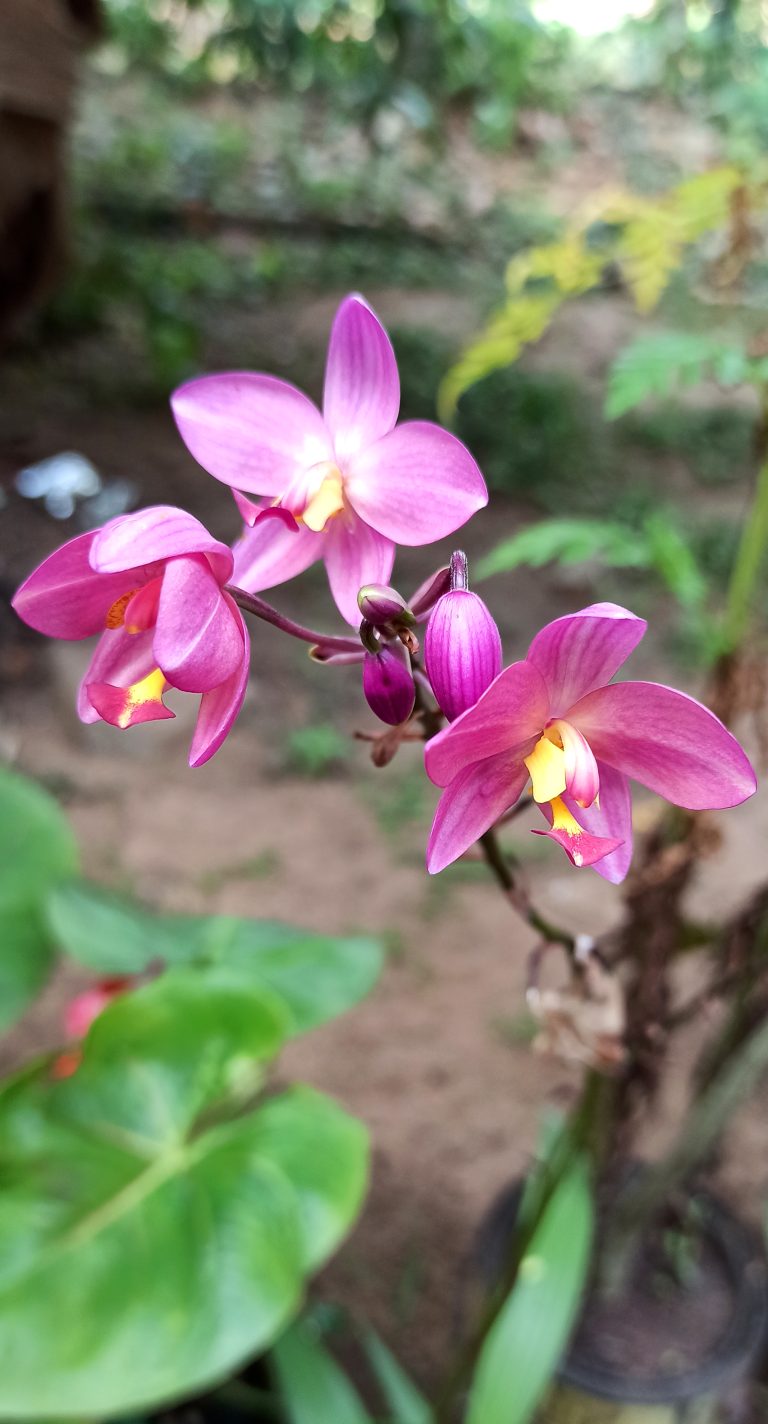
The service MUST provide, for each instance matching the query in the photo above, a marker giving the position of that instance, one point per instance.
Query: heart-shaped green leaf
(37, 850)
(317, 976)
(324, 1155)
(149, 1240)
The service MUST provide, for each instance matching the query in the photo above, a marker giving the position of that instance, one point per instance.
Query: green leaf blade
(523, 1347)
(317, 976)
(405, 1404)
(311, 1385)
(37, 852)
(323, 1152)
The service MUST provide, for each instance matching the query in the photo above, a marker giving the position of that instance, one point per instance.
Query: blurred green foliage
(715, 52)
(412, 54)
(316, 751)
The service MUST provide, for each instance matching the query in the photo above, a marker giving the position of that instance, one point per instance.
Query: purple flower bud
(388, 684)
(427, 594)
(383, 606)
(462, 651)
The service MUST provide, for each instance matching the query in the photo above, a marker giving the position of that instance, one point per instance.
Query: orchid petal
(64, 598)
(354, 555)
(610, 816)
(151, 536)
(580, 845)
(473, 802)
(124, 707)
(198, 643)
(219, 708)
(667, 741)
(510, 714)
(121, 659)
(361, 398)
(584, 650)
(416, 485)
(270, 554)
(581, 775)
(249, 430)
(249, 509)
(140, 611)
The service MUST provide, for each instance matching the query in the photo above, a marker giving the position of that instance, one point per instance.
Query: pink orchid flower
(557, 720)
(344, 486)
(152, 584)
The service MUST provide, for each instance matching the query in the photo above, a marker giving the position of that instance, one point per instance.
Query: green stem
(499, 864)
(747, 565)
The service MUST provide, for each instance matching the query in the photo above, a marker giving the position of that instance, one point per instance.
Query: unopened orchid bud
(426, 596)
(384, 609)
(462, 646)
(388, 684)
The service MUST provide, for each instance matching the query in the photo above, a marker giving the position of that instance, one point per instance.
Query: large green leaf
(149, 1240)
(296, 1131)
(312, 1388)
(37, 850)
(526, 1341)
(115, 935)
(318, 976)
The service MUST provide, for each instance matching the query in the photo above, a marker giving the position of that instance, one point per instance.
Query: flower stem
(499, 864)
(251, 603)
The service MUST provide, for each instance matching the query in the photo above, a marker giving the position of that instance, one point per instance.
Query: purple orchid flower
(152, 584)
(557, 720)
(344, 486)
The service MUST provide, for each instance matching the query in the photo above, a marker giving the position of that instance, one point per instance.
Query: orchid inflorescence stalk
(347, 485)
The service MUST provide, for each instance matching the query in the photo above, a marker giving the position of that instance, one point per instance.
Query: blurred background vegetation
(235, 161)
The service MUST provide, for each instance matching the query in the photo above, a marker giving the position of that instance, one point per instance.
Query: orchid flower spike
(556, 719)
(462, 646)
(345, 485)
(152, 584)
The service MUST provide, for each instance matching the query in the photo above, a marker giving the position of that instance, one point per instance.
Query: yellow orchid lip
(327, 501)
(546, 767)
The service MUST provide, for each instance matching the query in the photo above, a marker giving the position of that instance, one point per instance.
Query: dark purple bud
(388, 684)
(427, 594)
(462, 651)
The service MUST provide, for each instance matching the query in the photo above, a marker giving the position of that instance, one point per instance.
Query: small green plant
(315, 751)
